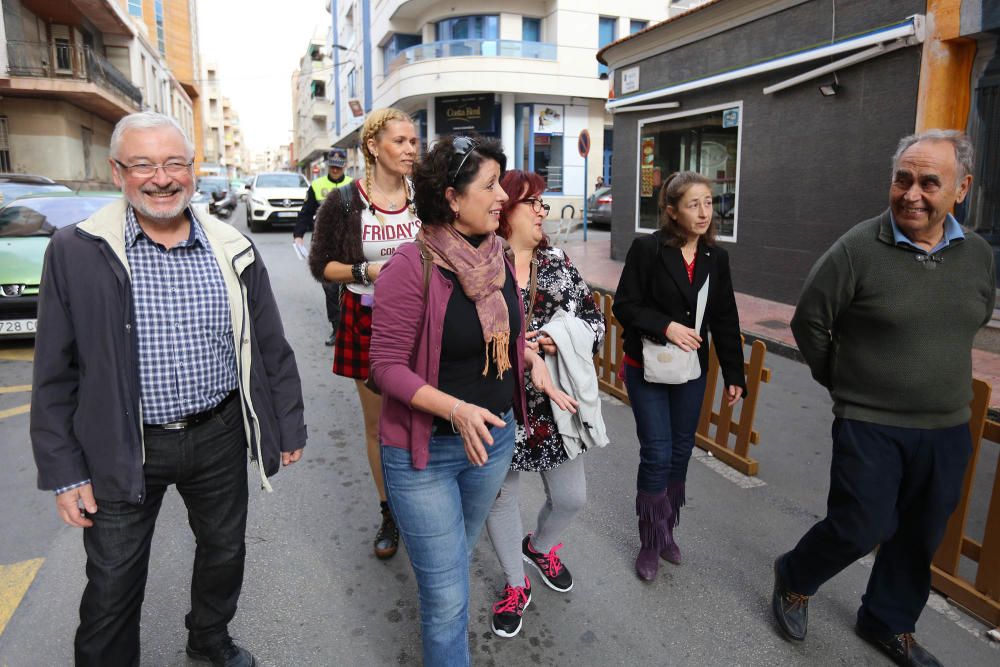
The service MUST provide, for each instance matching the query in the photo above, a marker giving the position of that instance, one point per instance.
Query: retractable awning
(882, 40)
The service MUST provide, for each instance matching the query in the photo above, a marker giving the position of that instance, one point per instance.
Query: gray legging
(565, 494)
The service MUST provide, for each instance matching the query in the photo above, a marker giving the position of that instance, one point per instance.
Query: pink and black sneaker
(508, 611)
(553, 572)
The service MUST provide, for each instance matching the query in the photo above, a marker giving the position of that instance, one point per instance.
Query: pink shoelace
(514, 599)
(552, 565)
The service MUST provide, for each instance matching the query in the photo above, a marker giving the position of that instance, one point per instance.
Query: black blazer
(654, 291)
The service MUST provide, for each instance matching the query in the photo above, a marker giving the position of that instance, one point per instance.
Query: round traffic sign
(583, 143)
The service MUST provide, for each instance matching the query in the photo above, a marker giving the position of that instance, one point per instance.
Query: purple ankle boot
(675, 497)
(653, 510)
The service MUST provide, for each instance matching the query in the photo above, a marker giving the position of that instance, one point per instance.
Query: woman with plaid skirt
(358, 228)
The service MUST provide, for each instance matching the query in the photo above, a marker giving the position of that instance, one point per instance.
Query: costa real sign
(465, 113)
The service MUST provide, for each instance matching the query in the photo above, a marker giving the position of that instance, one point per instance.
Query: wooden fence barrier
(608, 359)
(980, 595)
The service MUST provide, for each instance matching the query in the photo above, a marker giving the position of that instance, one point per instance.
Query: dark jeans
(666, 418)
(208, 465)
(332, 293)
(889, 486)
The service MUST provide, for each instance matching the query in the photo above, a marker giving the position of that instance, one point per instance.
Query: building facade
(224, 150)
(794, 108)
(69, 71)
(172, 27)
(526, 75)
(311, 107)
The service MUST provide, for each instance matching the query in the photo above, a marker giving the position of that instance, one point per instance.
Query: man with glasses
(161, 360)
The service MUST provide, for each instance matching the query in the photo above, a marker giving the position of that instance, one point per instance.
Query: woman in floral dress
(548, 283)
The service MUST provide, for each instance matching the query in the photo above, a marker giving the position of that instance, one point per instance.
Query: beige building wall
(46, 137)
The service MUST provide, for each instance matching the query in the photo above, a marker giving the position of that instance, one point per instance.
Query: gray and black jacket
(86, 420)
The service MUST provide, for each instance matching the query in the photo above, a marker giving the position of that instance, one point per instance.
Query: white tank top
(381, 233)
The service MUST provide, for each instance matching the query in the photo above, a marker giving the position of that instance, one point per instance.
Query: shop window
(982, 207)
(5, 162)
(706, 141)
(606, 30)
(549, 160)
(531, 29)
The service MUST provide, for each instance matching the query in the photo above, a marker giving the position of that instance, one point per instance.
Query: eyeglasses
(146, 170)
(463, 148)
(537, 205)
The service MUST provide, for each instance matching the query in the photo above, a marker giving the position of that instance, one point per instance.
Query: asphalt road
(315, 594)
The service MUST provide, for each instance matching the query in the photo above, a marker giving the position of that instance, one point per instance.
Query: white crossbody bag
(669, 364)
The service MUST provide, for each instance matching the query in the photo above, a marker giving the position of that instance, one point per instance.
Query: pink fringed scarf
(481, 274)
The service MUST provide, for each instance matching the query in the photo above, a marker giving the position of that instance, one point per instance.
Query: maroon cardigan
(405, 351)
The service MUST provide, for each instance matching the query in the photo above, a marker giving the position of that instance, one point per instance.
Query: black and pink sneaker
(508, 611)
(553, 572)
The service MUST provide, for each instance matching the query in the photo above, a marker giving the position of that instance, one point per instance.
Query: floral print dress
(559, 287)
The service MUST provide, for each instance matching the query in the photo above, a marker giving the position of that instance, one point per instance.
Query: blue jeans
(666, 418)
(440, 512)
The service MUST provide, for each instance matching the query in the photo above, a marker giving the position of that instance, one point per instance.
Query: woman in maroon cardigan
(448, 353)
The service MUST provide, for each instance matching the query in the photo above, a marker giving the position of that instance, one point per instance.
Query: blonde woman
(358, 228)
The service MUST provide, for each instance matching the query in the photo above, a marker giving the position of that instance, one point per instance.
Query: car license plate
(287, 214)
(17, 327)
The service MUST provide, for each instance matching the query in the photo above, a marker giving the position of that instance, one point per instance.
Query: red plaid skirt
(354, 336)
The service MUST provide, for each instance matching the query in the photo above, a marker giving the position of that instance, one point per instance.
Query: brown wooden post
(950, 550)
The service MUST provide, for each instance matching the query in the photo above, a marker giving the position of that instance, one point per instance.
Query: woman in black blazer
(656, 299)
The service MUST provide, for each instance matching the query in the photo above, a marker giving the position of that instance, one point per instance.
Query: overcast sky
(256, 45)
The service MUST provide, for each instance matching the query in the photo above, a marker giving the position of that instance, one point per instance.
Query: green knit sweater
(891, 336)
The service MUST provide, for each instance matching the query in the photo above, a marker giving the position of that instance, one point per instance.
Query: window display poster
(647, 151)
(731, 118)
(548, 118)
(646, 178)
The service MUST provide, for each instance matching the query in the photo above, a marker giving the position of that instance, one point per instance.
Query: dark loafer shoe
(387, 537)
(903, 649)
(224, 654)
(332, 339)
(791, 610)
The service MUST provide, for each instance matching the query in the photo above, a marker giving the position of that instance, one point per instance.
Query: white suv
(274, 198)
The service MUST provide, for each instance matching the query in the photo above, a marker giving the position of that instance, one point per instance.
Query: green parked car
(25, 227)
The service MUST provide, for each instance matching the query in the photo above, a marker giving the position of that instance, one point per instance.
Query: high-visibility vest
(321, 186)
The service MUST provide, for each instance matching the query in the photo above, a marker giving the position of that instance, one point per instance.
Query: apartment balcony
(458, 48)
(70, 72)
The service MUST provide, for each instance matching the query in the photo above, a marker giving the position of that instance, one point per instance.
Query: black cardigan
(654, 291)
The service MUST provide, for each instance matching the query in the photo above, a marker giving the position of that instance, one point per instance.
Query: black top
(654, 291)
(463, 353)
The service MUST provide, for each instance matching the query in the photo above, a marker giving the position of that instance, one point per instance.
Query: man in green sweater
(886, 321)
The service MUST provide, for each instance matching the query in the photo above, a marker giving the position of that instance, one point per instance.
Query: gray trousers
(565, 494)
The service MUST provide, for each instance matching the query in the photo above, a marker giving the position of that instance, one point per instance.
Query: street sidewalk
(760, 319)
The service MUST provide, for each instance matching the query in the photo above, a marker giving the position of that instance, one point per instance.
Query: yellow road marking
(14, 582)
(16, 389)
(18, 354)
(19, 410)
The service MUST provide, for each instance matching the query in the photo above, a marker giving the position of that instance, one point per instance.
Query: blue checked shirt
(187, 362)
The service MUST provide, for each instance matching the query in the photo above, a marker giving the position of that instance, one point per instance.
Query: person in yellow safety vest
(335, 177)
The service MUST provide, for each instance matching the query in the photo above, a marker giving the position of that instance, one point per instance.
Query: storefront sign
(548, 118)
(630, 80)
(647, 173)
(468, 113)
(731, 118)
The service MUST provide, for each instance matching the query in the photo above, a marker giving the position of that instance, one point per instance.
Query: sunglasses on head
(463, 148)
